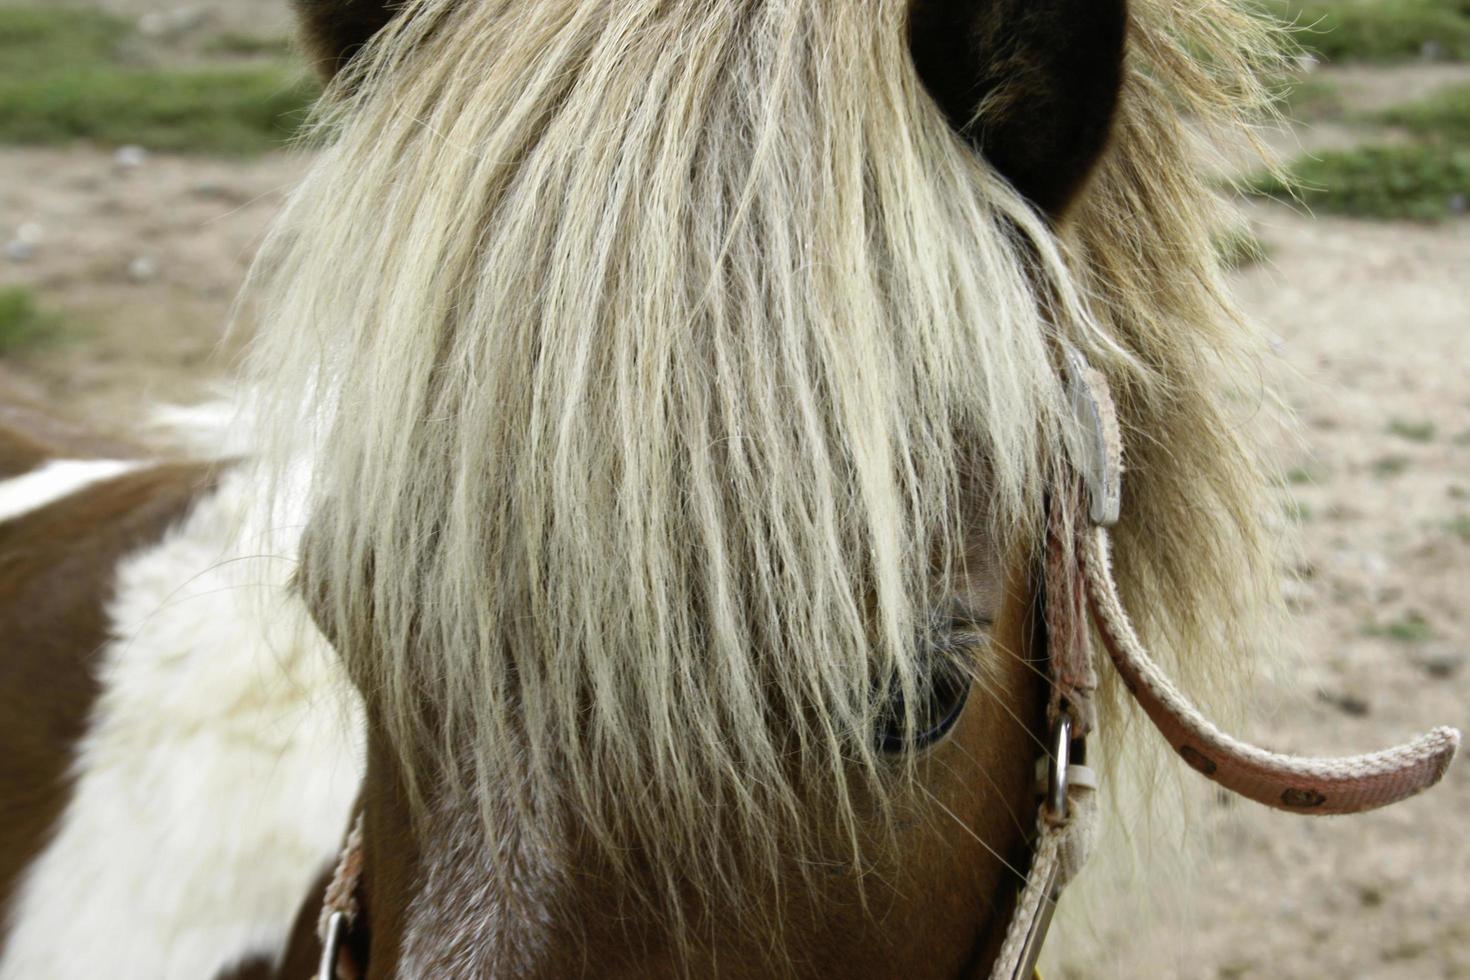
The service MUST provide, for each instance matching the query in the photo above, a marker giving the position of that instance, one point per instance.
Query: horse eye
(944, 687)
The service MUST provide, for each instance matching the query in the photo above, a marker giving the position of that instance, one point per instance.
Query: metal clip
(332, 946)
(1057, 767)
(1040, 926)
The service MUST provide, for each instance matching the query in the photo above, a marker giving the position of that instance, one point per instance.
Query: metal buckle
(332, 946)
(1093, 408)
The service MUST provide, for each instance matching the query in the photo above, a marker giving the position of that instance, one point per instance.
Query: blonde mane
(651, 358)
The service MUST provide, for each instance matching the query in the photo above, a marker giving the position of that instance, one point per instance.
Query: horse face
(935, 899)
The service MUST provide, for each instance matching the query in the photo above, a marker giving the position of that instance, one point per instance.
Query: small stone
(30, 232)
(171, 23)
(18, 250)
(1442, 666)
(190, 18)
(1296, 593)
(1459, 203)
(143, 269)
(130, 157)
(153, 24)
(1432, 51)
(1349, 704)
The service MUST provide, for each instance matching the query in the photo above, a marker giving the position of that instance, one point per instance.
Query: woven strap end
(1314, 786)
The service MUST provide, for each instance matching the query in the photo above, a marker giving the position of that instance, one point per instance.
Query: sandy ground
(1372, 325)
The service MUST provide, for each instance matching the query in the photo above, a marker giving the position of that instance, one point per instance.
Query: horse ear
(1032, 84)
(335, 29)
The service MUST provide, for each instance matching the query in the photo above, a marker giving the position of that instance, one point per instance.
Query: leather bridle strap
(1079, 576)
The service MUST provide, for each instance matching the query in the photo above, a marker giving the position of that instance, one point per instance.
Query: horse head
(692, 429)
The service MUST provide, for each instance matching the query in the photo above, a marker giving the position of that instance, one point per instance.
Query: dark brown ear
(1032, 84)
(335, 29)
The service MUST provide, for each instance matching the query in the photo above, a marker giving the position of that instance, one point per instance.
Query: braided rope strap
(339, 908)
(1061, 849)
(1301, 785)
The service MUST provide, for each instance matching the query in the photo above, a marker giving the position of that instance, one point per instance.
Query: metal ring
(1056, 770)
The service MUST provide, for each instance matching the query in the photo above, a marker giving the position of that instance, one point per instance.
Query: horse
(664, 526)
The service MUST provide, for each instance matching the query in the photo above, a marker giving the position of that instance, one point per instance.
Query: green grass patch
(1310, 473)
(1445, 115)
(1411, 627)
(249, 45)
(1419, 182)
(71, 75)
(1298, 511)
(23, 322)
(1460, 528)
(1380, 30)
(1311, 96)
(1427, 179)
(210, 111)
(1413, 431)
(41, 40)
(1386, 467)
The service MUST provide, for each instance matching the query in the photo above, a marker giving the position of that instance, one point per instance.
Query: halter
(1080, 591)
(1080, 597)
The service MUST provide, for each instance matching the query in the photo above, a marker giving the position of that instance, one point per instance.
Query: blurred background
(141, 158)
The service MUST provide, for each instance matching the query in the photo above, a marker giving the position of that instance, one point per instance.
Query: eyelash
(949, 648)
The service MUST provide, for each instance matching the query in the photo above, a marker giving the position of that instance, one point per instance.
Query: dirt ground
(1372, 325)
(144, 263)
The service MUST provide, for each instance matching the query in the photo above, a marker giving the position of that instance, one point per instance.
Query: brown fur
(254, 968)
(30, 435)
(56, 576)
(20, 453)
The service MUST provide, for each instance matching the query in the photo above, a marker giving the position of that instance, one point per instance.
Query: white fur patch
(56, 480)
(215, 781)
